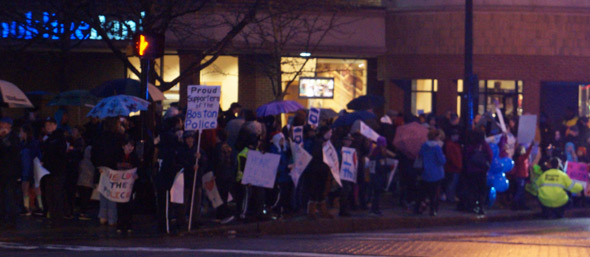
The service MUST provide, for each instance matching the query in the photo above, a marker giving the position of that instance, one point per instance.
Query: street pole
(470, 83)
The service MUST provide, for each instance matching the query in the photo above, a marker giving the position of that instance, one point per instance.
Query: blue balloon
(496, 166)
(490, 178)
(501, 184)
(495, 150)
(507, 163)
(492, 196)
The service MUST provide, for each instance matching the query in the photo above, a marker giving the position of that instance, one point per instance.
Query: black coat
(106, 149)
(53, 152)
(10, 159)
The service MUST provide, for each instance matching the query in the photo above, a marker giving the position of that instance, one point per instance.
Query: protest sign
(301, 160)
(261, 169)
(349, 167)
(365, 130)
(501, 118)
(298, 134)
(313, 119)
(177, 190)
(38, 171)
(527, 127)
(578, 172)
(202, 107)
(116, 185)
(331, 159)
(211, 189)
(394, 163)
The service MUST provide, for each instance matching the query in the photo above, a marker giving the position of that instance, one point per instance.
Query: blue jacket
(283, 170)
(434, 161)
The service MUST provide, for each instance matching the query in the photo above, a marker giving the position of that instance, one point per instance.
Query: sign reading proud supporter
(578, 172)
(301, 160)
(116, 185)
(261, 169)
(527, 127)
(331, 159)
(202, 107)
(349, 167)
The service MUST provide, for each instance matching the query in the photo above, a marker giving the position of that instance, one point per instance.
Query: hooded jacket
(434, 161)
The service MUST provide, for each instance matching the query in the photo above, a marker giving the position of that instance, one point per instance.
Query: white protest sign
(331, 159)
(394, 163)
(301, 160)
(202, 107)
(116, 185)
(261, 169)
(501, 118)
(365, 130)
(313, 119)
(177, 190)
(211, 189)
(527, 127)
(38, 171)
(298, 134)
(349, 167)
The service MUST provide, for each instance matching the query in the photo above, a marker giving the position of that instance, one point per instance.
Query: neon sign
(51, 28)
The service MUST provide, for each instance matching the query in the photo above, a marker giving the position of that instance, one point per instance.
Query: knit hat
(381, 141)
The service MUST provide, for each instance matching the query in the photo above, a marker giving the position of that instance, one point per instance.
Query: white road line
(76, 248)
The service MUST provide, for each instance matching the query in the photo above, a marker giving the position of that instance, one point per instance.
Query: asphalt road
(567, 237)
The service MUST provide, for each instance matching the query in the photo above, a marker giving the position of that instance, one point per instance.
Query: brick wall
(255, 87)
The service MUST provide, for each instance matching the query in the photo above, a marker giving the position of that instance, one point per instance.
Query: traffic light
(148, 45)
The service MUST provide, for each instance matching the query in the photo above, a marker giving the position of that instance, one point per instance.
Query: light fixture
(361, 65)
(305, 54)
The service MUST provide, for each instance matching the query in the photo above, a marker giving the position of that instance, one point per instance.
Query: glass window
(507, 93)
(423, 95)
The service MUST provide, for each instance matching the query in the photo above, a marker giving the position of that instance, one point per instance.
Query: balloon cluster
(496, 176)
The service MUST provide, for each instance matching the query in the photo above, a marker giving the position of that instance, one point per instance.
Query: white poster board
(301, 159)
(202, 107)
(331, 159)
(365, 130)
(394, 163)
(349, 165)
(261, 169)
(38, 171)
(527, 127)
(298, 134)
(313, 119)
(116, 185)
(177, 190)
(211, 189)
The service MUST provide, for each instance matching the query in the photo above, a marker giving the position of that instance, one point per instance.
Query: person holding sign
(126, 160)
(378, 173)
(283, 180)
(318, 175)
(347, 185)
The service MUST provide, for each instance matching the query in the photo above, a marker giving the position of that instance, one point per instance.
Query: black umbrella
(366, 102)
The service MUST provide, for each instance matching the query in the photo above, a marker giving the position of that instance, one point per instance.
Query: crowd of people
(451, 166)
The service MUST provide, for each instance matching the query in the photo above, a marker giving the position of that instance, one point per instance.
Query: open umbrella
(349, 118)
(119, 105)
(366, 102)
(13, 96)
(409, 138)
(278, 107)
(127, 87)
(74, 98)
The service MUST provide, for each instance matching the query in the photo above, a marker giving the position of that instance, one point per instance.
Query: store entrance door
(556, 97)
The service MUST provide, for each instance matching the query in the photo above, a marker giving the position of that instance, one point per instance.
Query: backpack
(479, 159)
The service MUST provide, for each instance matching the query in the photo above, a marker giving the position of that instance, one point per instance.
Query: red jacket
(454, 157)
(521, 165)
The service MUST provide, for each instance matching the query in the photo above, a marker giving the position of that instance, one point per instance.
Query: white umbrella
(13, 96)
(155, 93)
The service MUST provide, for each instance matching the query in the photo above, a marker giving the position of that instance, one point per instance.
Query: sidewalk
(39, 230)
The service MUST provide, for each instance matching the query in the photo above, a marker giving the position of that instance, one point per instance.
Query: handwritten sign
(116, 185)
(177, 190)
(211, 189)
(261, 169)
(349, 165)
(202, 107)
(301, 160)
(331, 159)
(313, 119)
(527, 127)
(298, 134)
(38, 171)
(578, 172)
(365, 130)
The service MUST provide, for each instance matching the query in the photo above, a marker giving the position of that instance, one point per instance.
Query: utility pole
(470, 83)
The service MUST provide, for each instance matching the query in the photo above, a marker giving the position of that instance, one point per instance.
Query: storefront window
(350, 79)
(423, 95)
(508, 94)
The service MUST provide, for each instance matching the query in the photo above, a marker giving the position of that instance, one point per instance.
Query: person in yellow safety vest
(552, 186)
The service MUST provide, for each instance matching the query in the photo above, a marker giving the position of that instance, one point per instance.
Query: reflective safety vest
(552, 186)
(242, 155)
(531, 187)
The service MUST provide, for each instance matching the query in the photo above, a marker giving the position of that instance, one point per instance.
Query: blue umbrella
(74, 98)
(278, 107)
(349, 118)
(126, 87)
(366, 102)
(119, 105)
